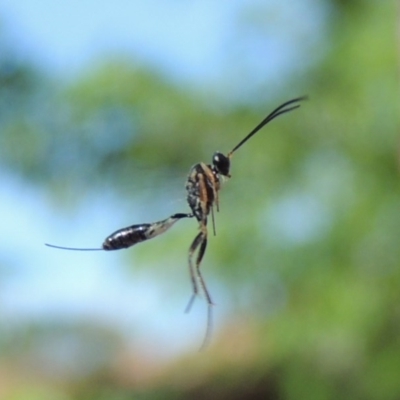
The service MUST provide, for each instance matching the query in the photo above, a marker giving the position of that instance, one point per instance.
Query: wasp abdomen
(126, 237)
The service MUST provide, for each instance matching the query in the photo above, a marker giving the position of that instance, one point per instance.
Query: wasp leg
(209, 327)
(213, 220)
(213, 182)
(210, 303)
(197, 240)
(200, 256)
(200, 240)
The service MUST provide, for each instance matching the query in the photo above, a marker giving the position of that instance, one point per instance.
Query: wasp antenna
(73, 248)
(278, 111)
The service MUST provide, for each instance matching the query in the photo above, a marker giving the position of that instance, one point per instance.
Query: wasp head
(221, 163)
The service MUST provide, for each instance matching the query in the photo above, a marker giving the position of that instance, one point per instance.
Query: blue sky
(65, 36)
(197, 42)
(185, 40)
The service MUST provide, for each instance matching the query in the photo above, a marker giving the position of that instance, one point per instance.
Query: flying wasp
(202, 187)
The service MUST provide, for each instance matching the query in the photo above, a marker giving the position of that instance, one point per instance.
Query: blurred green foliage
(309, 225)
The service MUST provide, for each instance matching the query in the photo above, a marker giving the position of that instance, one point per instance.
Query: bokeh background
(104, 106)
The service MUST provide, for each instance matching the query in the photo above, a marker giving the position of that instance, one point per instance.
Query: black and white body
(202, 186)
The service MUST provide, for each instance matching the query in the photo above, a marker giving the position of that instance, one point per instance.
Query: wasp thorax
(221, 163)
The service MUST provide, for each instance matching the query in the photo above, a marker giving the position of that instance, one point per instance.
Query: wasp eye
(221, 163)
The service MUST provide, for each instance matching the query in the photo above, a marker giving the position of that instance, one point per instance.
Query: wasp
(202, 186)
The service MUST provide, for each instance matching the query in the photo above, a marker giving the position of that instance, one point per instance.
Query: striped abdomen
(126, 237)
